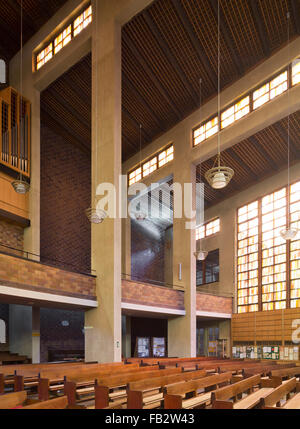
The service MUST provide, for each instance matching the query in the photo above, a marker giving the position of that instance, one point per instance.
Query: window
(166, 156)
(205, 131)
(135, 176)
(82, 21)
(149, 166)
(259, 239)
(208, 229)
(208, 270)
(295, 245)
(235, 112)
(247, 270)
(65, 37)
(270, 90)
(296, 72)
(153, 164)
(44, 56)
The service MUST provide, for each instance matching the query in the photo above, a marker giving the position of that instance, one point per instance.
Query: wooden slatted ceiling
(255, 158)
(35, 14)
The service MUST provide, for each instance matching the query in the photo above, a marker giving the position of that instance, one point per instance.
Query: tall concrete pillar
(126, 248)
(20, 330)
(182, 330)
(36, 339)
(103, 336)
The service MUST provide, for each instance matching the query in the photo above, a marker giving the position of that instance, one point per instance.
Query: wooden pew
(221, 398)
(50, 382)
(148, 393)
(12, 400)
(285, 372)
(60, 403)
(281, 392)
(30, 378)
(78, 386)
(114, 389)
(185, 394)
(31, 372)
(265, 369)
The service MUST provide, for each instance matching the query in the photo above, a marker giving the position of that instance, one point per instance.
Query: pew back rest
(286, 372)
(12, 400)
(194, 385)
(228, 392)
(124, 379)
(88, 372)
(279, 393)
(101, 374)
(164, 380)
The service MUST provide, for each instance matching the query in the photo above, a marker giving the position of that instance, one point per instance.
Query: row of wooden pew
(136, 384)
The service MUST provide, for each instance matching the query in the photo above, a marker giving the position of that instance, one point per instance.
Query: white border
(213, 314)
(149, 308)
(49, 297)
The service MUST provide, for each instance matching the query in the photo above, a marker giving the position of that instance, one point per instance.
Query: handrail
(56, 263)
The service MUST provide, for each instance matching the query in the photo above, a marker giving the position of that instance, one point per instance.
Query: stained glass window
(235, 112)
(205, 131)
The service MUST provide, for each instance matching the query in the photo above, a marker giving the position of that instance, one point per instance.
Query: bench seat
(202, 399)
(293, 404)
(253, 399)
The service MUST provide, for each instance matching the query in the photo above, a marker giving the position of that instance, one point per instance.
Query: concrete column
(182, 330)
(126, 248)
(20, 330)
(36, 339)
(103, 338)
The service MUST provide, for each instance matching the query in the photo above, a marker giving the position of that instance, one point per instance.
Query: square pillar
(182, 330)
(36, 339)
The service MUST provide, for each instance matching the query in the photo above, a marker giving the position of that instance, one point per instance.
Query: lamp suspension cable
(95, 215)
(200, 254)
(288, 233)
(21, 186)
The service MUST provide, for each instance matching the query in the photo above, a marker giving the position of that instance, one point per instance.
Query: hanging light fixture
(219, 175)
(94, 214)
(200, 254)
(20, 185)
(289, 233)
(140, 215)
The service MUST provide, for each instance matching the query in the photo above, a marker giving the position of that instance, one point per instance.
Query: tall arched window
(2, 71)
(2, 332)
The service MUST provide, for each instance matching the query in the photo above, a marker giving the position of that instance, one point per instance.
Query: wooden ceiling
(255, 158)
(35, 14)
(165, 50)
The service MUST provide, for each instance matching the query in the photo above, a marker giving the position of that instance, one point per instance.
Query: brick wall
(147, 252)
(216, 304)
(65, 194)
(11, 235)
(55, 336)
(158, 296)
(30, 275)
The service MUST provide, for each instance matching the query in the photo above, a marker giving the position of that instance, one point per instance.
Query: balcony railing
(15, 131)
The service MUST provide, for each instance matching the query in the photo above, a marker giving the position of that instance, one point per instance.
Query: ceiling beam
(151, 75)
(170, 57)
(64, 133)
(296, 14)
(195, 42)
(263, 35)
(141, 100)
(241, 162)
(226, 34)
(284, 136)
(129, 143)
(263, 153)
